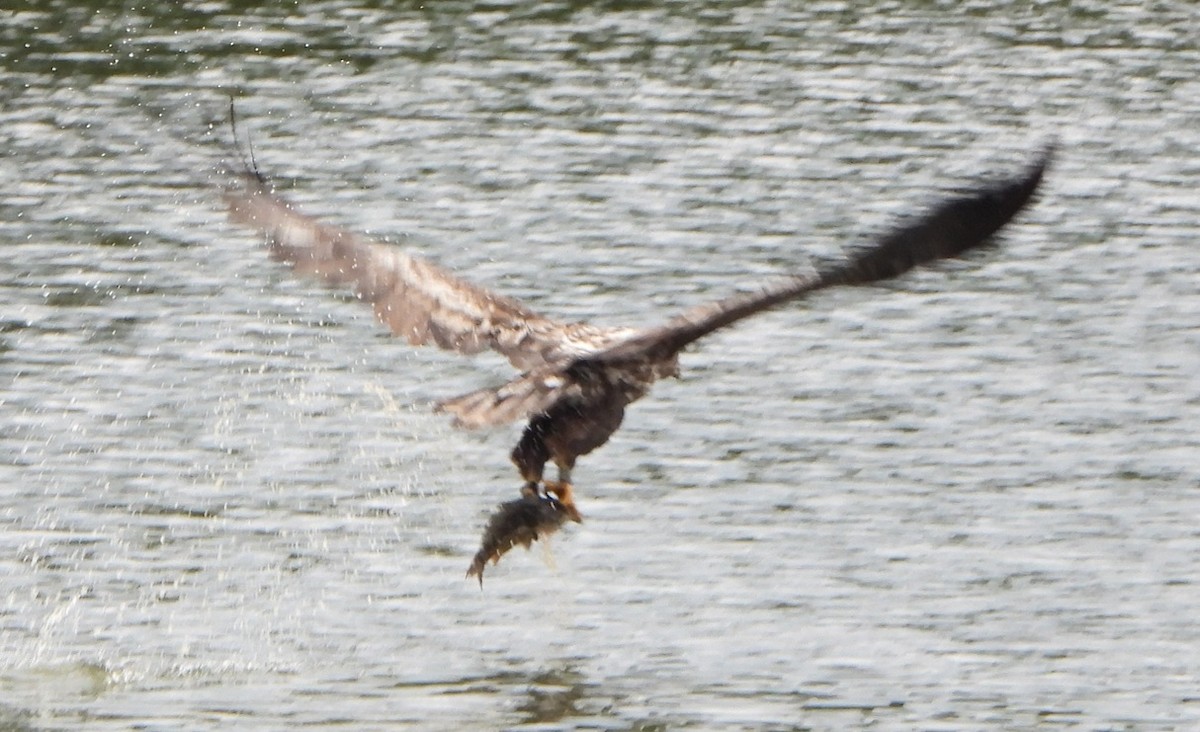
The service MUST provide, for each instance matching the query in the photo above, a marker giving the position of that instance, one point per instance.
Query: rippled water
(966, 500)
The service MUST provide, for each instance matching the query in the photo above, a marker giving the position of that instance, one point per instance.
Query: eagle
(575, 379)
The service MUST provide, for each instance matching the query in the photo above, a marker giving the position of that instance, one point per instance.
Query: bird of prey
(576, 379)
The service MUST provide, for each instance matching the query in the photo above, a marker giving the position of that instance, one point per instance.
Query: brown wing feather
(528, 394)
(413, 297)
(951, 228)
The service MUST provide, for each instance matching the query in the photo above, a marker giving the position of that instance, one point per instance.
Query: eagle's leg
(540, 442)
(530, 456)
(564, 491)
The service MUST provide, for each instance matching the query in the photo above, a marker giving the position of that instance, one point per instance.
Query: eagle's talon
(564, 493)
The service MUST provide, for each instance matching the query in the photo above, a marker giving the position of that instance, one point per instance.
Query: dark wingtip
(1037, 169)
(249, 163)
(1049, 150)
(952, 228)
(1021, 191)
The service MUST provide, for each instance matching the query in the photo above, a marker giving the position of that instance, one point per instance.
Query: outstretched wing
(413, 297)
(952, 228)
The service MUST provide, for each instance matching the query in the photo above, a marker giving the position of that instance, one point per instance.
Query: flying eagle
(575, 379)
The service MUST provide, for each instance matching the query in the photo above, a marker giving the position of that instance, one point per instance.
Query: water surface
(965, 500)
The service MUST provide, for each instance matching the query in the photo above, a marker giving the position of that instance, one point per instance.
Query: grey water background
(966, 500)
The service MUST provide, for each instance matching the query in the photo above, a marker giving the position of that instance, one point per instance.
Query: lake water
(966, 500)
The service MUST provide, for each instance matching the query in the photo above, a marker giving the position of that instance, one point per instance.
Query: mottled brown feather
(414, 298)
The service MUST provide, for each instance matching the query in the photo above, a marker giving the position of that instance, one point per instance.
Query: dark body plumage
(576, 379)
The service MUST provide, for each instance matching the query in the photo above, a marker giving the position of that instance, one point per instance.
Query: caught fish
(520, 522)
